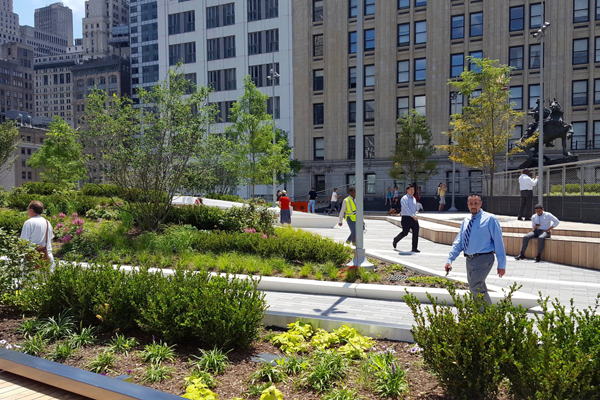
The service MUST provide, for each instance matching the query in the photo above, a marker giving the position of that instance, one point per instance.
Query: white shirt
(544, 221)
(526, 183)
(334, 196)
(34, 231)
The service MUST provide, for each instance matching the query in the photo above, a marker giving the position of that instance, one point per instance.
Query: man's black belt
(472, 256)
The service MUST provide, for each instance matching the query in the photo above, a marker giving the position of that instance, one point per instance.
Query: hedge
(576, 188)
(235, 219)
(57, 203)
(12, 220)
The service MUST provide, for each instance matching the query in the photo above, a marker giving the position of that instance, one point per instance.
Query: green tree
(414, 147)
(252, 132)
(9, 134)
(484, 127)
(295, 165)
(147, 151)
(61, 157)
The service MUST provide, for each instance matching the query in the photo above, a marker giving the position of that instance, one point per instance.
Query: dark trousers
(526, 199)
(541, 237)
(409, 224)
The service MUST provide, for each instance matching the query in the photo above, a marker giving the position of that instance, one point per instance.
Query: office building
(16, 82)
(31, 139)
(100, 18)
(411, 49)
(143, 23)
(56, 19)
(43, 43)
(9, 22)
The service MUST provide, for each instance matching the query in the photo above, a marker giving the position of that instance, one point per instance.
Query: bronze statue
(554, 128)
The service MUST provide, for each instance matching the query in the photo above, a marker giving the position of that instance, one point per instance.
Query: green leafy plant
(34, 345)
(293, 365)
(388, 379)
(102, 363)
(121, 344)
(214, 361)
(18, 264)
(204, 377)
(157, 373)
(271, 393)
(59, 327)
(328, 368)
(341, 394)
(62, 351)
(268, 372)
(29, 327)
(295, 339)
(197, 390)
(84, 338)
(157, 353)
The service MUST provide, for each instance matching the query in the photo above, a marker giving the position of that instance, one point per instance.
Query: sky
(25, 9)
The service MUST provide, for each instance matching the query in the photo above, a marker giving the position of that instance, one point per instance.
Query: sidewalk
(551, 279)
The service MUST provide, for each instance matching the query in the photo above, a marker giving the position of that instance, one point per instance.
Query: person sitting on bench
(542, 223)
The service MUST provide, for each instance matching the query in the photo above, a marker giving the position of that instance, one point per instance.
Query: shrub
(17, 266)
(329, 367)
(59, 327)
(214, 361)
(12, 220)
(157, 353)
(575, 188)
(389, 379)
(54, 204)
(43, 188)
(225, 197)
(103, 190)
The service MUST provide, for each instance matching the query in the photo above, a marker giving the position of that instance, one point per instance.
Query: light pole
(359, 259)
(540, 34)
(454, 97)
(273, 77)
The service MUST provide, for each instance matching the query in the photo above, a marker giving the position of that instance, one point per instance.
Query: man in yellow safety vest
(348, 213)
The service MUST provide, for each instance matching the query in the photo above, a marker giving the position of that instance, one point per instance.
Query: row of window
(182, 22)
(458, 26)
(368, 148)
(224, 109)
(579, 94)
(221, 15)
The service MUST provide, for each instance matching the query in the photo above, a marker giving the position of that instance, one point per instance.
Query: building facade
(31, 139)
(411, 49)
(219, 42)
(56, 19)
(9, 22)
(100, 17)
(16, 81)
(43, 43)
(143, 23)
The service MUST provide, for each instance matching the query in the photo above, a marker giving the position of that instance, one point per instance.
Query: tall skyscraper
(56, 19)
(9, 22)
(100, 17)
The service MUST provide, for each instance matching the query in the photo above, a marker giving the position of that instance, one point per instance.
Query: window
(581, 10)
(317, 10)
(403, 34)
(597, 9)
(317, 45)
(352, 43)
(419, 104)
(229, 14)
(189, 21)
(517, 133)
(319, 149)
(458, 27)
(403, 71)
(403, 4)
(174, 24)
(457, 65)
(580, 51)
(352, 77)
(174, 54)
(476, 24)
(369, 7)
(515, 57)
(475, 181)
(353, 9)
(272, 40)
(580, 93)
(597, 51)
(596, 141)
(230, 80)
(579, 138)
(475, 55)
(370, 179)
(229, 45)
(318, 114)
(517, 18)
(272, 9)
(597, 91)
(420, 3)
(214, 80)
(420, 69)
(516, 97)
(318, 80)
(369, 39)
(536, 12)
(351, 154)
(254, 45)
(449, 180)
(534, 95)
(402, 106)
(352, 112)
(535, 54)
(369, 75)
(369, 110)
(253, 10)
(420, 32)
(320, 183)
(369, 149)
(456, 103)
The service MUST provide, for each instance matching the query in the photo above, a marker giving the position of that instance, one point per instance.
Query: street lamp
(540, 34)
(273, 77)
(454, 97)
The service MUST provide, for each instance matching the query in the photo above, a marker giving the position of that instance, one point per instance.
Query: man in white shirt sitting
(37, 229)
(526, 185)
(542, 223)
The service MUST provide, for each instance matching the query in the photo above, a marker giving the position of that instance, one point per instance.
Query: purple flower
(264, 236)
(74, 215)
(79, 231)
(393, 368)
(77, 221)
(61, 215)
(59, 225)
(103, 374)
(128, 372)
(66, 239)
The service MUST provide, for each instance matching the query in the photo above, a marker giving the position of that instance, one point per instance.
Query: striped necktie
(468, 234)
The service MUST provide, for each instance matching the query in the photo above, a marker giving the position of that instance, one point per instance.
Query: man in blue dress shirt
(409, 219)
(480, 236)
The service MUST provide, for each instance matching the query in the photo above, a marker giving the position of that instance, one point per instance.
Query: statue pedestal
(533, 162)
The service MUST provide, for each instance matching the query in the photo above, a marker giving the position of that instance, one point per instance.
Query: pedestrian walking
(285, 214)
(333, 202)
(409, 219)
(526, 185)
(312, 199)
(396, 192)
(348, 212)
(38, 231)
(441, 194)
(542, 223)
(480, 236)
(388, 197)
(278, 194)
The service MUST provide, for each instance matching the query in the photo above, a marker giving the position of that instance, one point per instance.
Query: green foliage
(157, 373)
(17, 264)
(61, 156)
(157, 353)
(342, 394)
(329, 367)
(62, 352)
(67, 202)
(29, 327)
(575, 188)
(102, 363)
(34, 345)
(55, 328)
(101, 190)
(122, 344)
(225, 197)
(252, 134)
(43, 188)
(271, 393)
(432, 280)
(292, 365)
(204, 377)
(267, 372)
(414, 148)
(9, 140)
(198, 390)
(84, 338)
(214, 361)
(388, 380)
(295, 339)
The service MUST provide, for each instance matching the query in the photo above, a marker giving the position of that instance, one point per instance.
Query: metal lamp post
(360, 259)
(273, 77)
(540, 34)
(454, 97)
